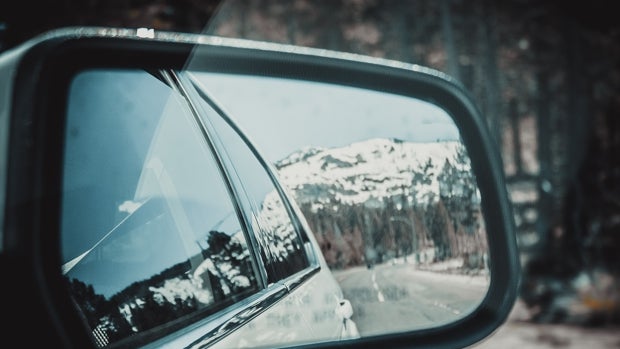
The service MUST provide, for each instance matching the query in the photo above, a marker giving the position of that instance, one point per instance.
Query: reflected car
(171, 217)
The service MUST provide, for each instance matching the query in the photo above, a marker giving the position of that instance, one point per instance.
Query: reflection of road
(393, 298)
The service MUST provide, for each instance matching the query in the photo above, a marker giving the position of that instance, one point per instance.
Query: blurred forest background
(546, 76)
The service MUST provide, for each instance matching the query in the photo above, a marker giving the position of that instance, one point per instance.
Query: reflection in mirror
(150, 240)
(386, 185)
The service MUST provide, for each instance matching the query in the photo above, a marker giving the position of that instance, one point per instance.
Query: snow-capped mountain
(368, 171)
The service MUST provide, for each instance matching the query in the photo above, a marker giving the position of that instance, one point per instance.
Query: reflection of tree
(224, 276)
(438, 211)
(230, 261)
(441, 230)
(280, 238)
(458, 190)
(153, 312)
(92, 304)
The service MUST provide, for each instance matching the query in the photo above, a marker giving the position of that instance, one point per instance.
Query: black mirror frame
(44, 68)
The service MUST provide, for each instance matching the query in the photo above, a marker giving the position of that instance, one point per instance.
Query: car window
(279, 237)
(150, 235)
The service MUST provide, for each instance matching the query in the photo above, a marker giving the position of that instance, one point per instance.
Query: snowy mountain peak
(370, 171)
(299, 155)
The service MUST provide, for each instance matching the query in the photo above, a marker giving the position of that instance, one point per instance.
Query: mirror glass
(385, 183)
(172, 229)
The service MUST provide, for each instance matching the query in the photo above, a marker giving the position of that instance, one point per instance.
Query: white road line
(447, 307)
(374, 284)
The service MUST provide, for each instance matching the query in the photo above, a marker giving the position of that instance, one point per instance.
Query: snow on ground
(423, 261)
(374, 168)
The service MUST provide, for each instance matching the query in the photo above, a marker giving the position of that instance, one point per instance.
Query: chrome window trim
(235, 184)
(297, 279)
(246, 222)
(192, 87)
(300, 229)
(242, 317)
(206, 332)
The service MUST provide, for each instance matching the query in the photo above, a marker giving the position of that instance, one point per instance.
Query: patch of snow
(375, 168)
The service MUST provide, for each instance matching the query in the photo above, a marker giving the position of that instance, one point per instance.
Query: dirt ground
(518, 333)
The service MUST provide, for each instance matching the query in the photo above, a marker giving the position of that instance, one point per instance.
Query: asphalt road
(393, 298)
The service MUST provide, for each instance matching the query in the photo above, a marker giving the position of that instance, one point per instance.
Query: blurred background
(546, 77)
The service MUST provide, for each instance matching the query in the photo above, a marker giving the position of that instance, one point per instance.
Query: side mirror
(385, 171)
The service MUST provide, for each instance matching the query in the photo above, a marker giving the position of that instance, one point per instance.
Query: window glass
(283, 250)
(149, 232)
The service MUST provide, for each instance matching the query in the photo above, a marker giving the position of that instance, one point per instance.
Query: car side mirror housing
(35, 92)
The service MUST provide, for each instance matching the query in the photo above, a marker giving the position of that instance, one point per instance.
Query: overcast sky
(281, 116)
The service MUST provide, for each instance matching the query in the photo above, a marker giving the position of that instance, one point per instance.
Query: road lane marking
(447, 307)
(376, 286)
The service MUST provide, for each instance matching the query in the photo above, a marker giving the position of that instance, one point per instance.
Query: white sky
(281, 116)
